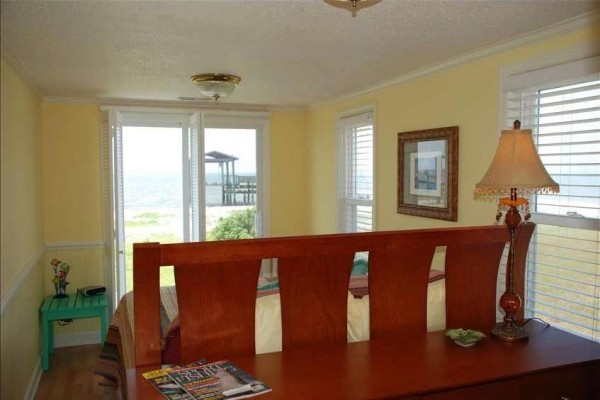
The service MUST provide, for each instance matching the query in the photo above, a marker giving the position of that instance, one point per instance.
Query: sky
(158, 150)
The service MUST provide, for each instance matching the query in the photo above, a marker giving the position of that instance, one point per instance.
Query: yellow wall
(288, 182)
(71, 178)
(21, 233)
(466, 95)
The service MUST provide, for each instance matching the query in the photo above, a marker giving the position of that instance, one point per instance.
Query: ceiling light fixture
(352, 5)
(216, 85)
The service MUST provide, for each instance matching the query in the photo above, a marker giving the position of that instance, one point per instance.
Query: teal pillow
(269, 286)
(360, 267)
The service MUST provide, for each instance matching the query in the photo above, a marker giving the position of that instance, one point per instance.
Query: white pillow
(268, 317)
(436, 306)
(358, 318)
(267, 324)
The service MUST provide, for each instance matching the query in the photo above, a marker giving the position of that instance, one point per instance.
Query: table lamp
(516, 170)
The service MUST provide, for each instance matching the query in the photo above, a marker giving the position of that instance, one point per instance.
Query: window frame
(344, 222)
(560, 69)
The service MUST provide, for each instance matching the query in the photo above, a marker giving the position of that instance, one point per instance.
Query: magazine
(161, 380)
(218, 380)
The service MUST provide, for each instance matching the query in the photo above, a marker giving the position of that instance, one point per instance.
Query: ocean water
(142, 192)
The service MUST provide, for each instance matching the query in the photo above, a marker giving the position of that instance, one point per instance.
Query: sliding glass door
(180, 177)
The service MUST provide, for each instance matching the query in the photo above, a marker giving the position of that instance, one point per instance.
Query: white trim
(152, 108)
(563, 27)
(34, 381)
(144, 114)
(564, 221)
(230, 120)
(195, 105)
(347, 121)
(375, 169)
(241, 115)
(581, 51)
(77, 339)
(357, 117)
(364, 109)
(8, 296)
(556, 71)
(74, 245)
(264, 155)
(260, 122)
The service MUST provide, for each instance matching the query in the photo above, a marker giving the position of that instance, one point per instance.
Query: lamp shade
(352, 5)
(215, 85)
(516, 165)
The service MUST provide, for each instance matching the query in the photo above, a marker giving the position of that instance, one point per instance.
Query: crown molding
(564, 27)
(204, 105)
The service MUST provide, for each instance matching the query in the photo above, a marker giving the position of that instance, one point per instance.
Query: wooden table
(551, 364)
(74, 306)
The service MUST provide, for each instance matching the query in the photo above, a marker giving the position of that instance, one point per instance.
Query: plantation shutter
(117, 127)
(107, 226)
(561, 105)
(196, 178)
(355, 173)
(111, 151)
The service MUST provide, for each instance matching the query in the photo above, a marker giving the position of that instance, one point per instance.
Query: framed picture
(428, 173)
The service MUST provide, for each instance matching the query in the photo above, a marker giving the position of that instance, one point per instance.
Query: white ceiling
(288, 52)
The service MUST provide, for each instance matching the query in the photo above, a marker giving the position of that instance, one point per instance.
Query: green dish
(464, 338)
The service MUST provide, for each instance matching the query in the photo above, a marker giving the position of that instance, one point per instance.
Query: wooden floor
(70, 376)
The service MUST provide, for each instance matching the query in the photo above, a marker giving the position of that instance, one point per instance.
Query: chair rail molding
(75, 245)
(10, 293)
(12, 290)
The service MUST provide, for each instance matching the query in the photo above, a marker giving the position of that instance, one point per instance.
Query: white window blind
(561, 105)
(355, 173)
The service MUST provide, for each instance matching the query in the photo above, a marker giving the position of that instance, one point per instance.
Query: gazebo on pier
(231, 184)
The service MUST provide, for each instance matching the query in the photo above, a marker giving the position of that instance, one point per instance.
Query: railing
(239, 185)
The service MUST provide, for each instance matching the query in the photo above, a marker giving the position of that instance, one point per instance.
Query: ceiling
(287, 52)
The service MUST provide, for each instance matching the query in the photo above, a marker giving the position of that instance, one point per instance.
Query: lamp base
(509, 332)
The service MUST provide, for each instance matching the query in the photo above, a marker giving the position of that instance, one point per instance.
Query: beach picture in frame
(428, 173)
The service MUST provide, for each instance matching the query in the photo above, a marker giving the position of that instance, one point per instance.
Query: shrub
(238, 225)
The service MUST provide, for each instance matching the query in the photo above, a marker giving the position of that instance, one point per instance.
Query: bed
(220, 312)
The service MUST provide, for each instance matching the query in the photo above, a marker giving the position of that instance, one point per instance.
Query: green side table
(74, 306)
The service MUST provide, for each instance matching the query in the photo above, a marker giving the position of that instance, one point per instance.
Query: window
(355, 173)
(561, 104)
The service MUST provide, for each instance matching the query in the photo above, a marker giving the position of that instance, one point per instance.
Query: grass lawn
(164, 226)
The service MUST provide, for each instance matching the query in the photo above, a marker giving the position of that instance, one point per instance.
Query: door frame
(179, 118)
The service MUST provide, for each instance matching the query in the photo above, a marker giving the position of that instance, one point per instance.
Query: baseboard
(76, 339)
(65, 340)
(34, 381)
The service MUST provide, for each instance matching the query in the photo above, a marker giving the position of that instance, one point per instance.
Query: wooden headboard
(216, 286)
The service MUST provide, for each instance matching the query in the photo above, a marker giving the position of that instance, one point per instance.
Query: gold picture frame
(428, 173)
